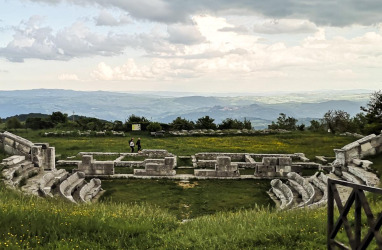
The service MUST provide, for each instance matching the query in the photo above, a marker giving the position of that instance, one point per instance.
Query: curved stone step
(68, 186)
(52, 179)
(304, 188)
(369, 178)
(27, 170)
(319, 181)
(352, 178)
(297, 196)
(282, 192)
(90, 190)
(11, 171)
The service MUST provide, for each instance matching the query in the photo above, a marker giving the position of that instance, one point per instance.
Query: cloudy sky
(191, 45)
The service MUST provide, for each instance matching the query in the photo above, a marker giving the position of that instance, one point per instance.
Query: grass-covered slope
(31, 222)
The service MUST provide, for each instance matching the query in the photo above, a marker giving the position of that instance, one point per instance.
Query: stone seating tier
(283, 192)
(91, 189)
(68, 186)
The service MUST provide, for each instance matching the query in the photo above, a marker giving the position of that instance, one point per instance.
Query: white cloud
(105, 18)
(243, 56)
(68, 77)
(30, 40)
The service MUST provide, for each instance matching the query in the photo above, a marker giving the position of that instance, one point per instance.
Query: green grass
(184, 171)
(145, 214)
(35, 223)
(311, 144)
(196, 199)
(133, 158)
(377, 164)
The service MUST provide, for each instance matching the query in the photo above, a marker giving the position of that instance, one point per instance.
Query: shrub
(154, 126)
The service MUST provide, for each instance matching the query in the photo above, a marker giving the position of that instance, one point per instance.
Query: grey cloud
(285, 26)
(322, 12)
(32, 41)
(105, 18)
(184, 34)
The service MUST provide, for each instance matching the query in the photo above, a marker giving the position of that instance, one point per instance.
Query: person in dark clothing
(139, 144)
(131, 143)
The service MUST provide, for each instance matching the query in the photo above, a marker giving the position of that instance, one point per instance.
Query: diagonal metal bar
(344, 210)
(358, 197)
(357, 218)
(370, 216)
(373, 232)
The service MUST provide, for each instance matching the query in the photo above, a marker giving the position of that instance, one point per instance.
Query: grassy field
(141, 214)
(189, 200)
(31, 222)
(311, 144)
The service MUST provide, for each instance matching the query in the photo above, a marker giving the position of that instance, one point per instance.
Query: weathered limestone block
(154, 153)
(367, 150)
(249, 159)
(223, 163)
(12, 160)
(14, 144)
(368, 177)
(205, 172)
(206, 163)
(285, 161)
(91, 167)
(43, 156)
(366, 139)
(270, 161)
(101, 168)
(264, 170)
(340, 157)
(156, 169)
(321, 159)
(170, 161)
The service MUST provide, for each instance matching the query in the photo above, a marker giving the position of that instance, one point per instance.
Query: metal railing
(358, 198)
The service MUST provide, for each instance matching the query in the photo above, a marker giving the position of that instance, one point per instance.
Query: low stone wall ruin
(223, 168)
(91, 167)
(158, 167)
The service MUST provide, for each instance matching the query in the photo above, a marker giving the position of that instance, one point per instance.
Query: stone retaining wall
(15, 145)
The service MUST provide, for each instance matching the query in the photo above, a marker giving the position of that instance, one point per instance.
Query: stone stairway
(17, 172)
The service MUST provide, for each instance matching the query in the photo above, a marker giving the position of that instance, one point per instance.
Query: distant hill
(118, 106)
(24, 117)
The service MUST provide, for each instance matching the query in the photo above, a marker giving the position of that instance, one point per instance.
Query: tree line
(60, 120)
(338, 121)
(335, 121)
